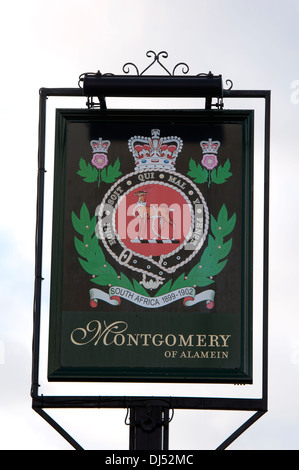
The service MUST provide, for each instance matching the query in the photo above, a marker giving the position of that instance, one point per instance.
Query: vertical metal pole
(38, 243)
(208, 104)
(266, 245)
(166, 429)
(149, 428)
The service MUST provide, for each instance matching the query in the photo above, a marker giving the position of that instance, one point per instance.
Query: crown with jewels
(100, 146)
(155, 152)
(209, 146)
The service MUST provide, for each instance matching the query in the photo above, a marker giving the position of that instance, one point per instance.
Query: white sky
(255, 44)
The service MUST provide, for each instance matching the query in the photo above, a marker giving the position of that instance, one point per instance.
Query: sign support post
(149, 428)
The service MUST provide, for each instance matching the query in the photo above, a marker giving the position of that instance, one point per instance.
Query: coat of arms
(151, 238)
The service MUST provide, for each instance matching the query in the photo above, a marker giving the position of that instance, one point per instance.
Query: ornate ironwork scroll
(156, 59)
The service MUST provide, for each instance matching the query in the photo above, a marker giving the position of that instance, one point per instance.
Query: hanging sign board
(152, 246)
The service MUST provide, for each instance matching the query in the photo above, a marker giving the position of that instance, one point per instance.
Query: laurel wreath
(92, 258)
(212, 262)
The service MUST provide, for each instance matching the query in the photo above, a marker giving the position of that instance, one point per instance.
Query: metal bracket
(205, 85)
(90, 103)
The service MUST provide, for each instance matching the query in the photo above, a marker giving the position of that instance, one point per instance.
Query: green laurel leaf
(165, 289)
(77, 224)
(139, 288)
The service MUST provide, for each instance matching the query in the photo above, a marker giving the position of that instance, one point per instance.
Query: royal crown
(100, 146)
(155, 152)
(210, 146)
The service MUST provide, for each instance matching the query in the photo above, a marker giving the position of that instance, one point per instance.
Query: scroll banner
(187, 294)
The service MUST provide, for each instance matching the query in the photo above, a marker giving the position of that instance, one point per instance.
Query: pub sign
(151, 276)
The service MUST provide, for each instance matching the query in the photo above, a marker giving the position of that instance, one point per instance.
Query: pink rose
(209, 161)
(99, 160)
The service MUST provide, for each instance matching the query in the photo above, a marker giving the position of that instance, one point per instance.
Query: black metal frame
(206, 86)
